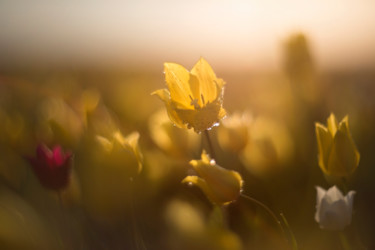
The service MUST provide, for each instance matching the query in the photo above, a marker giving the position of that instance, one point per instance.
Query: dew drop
(216, 124)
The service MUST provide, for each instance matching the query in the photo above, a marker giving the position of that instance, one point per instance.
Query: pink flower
(52, 167)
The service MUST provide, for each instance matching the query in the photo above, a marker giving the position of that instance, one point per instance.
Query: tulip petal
(132, 141)
(334, 194)
(349, 202)
(344, 157)
(334, 216)
(177, 79)
(227, 184)
(202, 184)
(349, 145)
(319, 197)
(58, 156)
(332, 124)
(105, 143)
(325, 141)
(164, 95)
(195, 90)
(207, 79)
(43, 153)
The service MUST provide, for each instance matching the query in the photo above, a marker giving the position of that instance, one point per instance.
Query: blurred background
(73, 70)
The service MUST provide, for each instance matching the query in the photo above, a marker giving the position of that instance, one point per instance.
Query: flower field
(188, 157)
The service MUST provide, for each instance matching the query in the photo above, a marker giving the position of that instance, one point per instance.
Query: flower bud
(338, 155)
(52, 167)
(221, 186)
(121, 152)
(233, 135)
(333, 210)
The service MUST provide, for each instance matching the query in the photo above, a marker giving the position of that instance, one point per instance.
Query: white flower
(333, 210)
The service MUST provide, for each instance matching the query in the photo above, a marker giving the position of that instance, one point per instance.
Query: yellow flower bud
(338, 155)
(220, 185)
(233, 135)
(193, 99)
(106, 173)
(270, 148)
(122, 151)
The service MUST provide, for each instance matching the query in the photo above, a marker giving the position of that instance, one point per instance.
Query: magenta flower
(52, 167)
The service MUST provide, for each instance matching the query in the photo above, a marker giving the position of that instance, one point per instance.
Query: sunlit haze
(235, 35)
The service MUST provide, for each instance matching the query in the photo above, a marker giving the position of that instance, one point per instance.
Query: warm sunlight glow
(241, 35)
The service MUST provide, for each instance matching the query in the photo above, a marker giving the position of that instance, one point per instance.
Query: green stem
(344, 241)
(211, 148)
(65, 240)
(344, 184)
(293, 238)
(269, 211)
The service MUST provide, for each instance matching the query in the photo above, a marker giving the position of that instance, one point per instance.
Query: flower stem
(209, 142)
(344, 241)
(138, 240)
(271, 213)
(293, 238)
(64, 220)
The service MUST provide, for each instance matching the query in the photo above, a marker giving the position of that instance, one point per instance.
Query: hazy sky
(239, 35)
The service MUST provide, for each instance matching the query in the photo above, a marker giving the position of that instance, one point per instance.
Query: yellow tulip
(193, 99)
(110, 163)
(122, 151)
(233, 135)
(338, 155)
(220, 185)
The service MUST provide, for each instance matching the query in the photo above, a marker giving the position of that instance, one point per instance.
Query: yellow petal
(130, 142)
(195, 90)
(332, 124)
(202, 185)
(325, 141)
(105, 143)
(177, 79)
(345, 156)
(225, 185)
(202, 119)
(210, 192)
(164, 95)
(206, 159)
(207, 80)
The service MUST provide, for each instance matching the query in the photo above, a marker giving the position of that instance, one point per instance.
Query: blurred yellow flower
(193, 99)
(172, 140)
(123, 151)
(106, 169)
(221, 186)
(338, 155)
(233, 135)
(269, 149)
